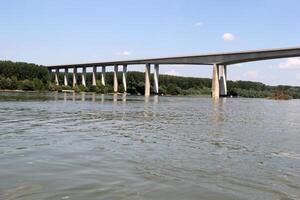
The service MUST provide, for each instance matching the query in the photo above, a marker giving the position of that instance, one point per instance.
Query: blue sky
(64, 31)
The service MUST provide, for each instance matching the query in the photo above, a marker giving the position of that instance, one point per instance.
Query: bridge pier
(103, 75)
(94, 82)
(219, 86)
(83, 75)
(156, 76)
(147, 80)
(66, 77)
(116, 79)
(56, 76)
(215, 90)
(74, 76)
(124, 78)
(223, 81)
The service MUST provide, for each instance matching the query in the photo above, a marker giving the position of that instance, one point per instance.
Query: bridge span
(218, 61)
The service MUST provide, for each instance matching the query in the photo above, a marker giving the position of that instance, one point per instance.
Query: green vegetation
(280, 95)
(259, 90)
(31, 77)
(171, 85)
(23, 76)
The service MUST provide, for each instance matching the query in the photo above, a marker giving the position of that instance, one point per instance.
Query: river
(83, 146)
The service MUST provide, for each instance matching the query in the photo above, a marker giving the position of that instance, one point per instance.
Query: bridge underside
(219, 76)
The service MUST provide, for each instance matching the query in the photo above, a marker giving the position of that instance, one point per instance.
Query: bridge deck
(226, 58)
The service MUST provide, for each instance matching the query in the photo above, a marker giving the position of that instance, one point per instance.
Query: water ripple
(72, 147)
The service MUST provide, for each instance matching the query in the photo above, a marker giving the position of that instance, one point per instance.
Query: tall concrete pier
(103, 75)
(215, 88)
(124, 78)
(74, 76)
(66, 77)
(83, 76)
(116, 85)
(56, 76)
(218, 61)
(156, 75)
(147, 80)
(223, 81)
(94, 75)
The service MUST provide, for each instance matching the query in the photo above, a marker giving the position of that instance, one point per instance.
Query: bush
(76, 89)
(173, 89)
(38, 84)
(93, 88)
(132, 90)
(82, 88)
(121, 88)
(26, 85)
(7, 83)
(106, 89)
(140, 87)
(53, 87)
(66, 87)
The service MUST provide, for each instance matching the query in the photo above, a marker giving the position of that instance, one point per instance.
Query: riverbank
(30, 77)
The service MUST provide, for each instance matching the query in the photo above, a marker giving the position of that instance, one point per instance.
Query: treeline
(26, 76)
(23, 76)
(259, 90)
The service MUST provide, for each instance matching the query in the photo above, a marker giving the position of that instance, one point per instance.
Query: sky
(51, 32)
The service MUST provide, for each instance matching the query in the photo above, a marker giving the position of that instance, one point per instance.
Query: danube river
(66, 146)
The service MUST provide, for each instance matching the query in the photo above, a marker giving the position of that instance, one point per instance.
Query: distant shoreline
(25, 77)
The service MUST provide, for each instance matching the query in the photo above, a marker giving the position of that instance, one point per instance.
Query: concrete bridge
(218, 61)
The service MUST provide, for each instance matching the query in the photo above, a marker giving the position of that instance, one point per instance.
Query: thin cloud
(253, 74)
(173, 72)
(290, 63)
(298, 77)
(124, 53)
(228, 37)
(198, 24)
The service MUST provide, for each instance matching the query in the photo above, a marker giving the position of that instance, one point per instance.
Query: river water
(67, 146)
